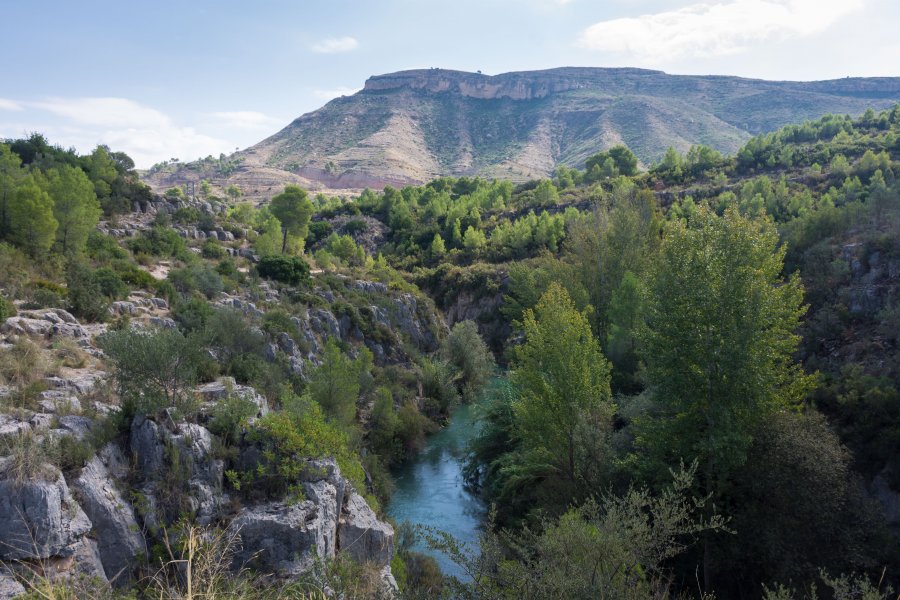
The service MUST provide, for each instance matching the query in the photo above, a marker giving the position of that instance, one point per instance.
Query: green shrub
(318, 230)
(192, 315)
(186, 215)
(355, 226)
(111, 284)
(86, 299)
(212, 249)
(104, 248)
(229, 417)
(154, 370)
(7, 309)
(134, 275)
(292, 270)
(286, 440)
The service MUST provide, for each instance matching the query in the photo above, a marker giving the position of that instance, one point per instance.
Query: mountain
(412, 126)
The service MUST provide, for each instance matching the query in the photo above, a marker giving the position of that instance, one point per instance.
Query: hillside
(412, 126)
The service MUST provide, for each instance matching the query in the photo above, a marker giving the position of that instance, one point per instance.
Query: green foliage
(469, 355)
(293, 210)
(154, 369)
(32, 225)
(292, 270)
(618, 160)
(618, 547)
(197, 278)
(230, 417)
(86, 298)
(335, 383)
(562, 381)
(7, 308)
(75, 207)
(286, 440)
(159, 241)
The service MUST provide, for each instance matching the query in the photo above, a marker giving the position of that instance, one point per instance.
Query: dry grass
(23, 364)
(69, 354)
(200, 569)
(28, 458)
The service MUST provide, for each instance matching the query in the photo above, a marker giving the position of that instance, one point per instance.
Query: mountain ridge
(411, 126)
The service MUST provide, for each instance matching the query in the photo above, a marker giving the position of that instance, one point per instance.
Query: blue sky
(185, 79)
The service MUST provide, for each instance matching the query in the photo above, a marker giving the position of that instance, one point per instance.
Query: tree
(334, 384)
(626, 161)
(545, 193)
(293, 210)
(474, 240)
(75, 207)
(562, 380)
(154, 369)
(719, 344)
(438, 249)
(85, 297)
(11, 174)
(467, 352)
(31, 223)
(233, 191)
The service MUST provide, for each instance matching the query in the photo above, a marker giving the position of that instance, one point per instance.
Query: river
(430, 489)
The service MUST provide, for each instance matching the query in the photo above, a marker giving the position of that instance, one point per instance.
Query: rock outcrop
(288, 539)
(39, 518)
(119, 540)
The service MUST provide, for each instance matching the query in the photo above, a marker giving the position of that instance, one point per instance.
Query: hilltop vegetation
(701, 391)
(413, 126)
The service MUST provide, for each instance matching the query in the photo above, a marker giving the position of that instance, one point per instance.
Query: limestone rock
(39, 519)
(119, 538)
(10, 588)
(361, 535)
(280, 538)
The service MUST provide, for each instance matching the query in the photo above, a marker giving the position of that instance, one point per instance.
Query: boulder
(10, 588)
(11, 427)
(39, 519)
(361, 535)
(119, 540)
(280, 538)
(78, 426)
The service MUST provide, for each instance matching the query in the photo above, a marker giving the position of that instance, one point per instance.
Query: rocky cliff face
(103, 519)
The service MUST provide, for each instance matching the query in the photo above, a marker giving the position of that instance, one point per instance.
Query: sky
(187, 79)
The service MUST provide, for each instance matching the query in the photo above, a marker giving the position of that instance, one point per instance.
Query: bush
(86, 299)
(192, 314)
(318, 230)
(104, 248)
(287, 439)
(467, 352)
(7, 309)
(292, 270)
(111, 284)
(230, 416)
(197, 278)
(134, 275)
(154, 370)
(355, 226)
(212, 249)
(186, 215)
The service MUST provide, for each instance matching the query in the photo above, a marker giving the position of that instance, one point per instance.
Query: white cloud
(6, 104)
(245, 119)
(144, 133)
(334, 93)
(335, 45)
(700, 30)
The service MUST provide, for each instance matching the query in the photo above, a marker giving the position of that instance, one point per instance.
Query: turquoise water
(430, 489)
